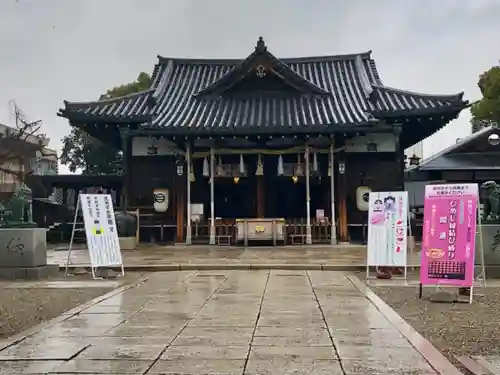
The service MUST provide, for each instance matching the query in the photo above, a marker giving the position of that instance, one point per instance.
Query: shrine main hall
(259, 148)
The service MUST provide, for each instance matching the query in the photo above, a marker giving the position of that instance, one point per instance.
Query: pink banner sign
(449, 234)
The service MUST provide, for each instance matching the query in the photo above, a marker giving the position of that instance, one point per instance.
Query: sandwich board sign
(100, 231)
(387, 230)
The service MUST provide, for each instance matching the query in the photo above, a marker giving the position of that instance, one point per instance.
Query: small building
(261, 137)
(22, 154)
(474, 159)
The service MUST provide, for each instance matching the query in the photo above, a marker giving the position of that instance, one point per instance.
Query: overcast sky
(55, 50)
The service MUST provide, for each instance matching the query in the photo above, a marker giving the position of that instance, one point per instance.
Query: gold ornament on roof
(260, 71)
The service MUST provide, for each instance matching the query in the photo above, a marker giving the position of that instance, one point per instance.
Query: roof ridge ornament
(261, 46)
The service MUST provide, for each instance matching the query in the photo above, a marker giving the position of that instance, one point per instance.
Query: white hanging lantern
(315, 162)
(192, 177)
(242, 165)
(219, 170)
(260, 167)
(206, 168)
(298, 170)
(281, 171)
(160, 200)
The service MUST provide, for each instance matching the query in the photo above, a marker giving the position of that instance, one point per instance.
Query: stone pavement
(223, 322)
(194, 257)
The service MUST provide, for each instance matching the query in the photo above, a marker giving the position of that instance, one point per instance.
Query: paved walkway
(312, 257)
(223, 322)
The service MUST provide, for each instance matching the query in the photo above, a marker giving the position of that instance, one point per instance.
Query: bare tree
(22, 146)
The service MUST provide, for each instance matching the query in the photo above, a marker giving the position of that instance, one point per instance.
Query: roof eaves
(80, 105)
(458, 97)
(456, 146)
(454, 109)
(82, 117)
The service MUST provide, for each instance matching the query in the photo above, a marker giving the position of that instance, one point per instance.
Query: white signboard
(387, 229)
(100, 230)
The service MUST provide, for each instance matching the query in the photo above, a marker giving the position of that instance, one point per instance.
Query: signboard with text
(100, 230)
(387, 229)
(449, 234)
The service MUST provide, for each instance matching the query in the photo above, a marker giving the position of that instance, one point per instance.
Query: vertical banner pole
(70, 247)
(481, 246)
(408, 246)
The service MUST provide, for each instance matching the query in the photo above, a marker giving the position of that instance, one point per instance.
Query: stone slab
(23, 247)
(28, 273)
(177, 344)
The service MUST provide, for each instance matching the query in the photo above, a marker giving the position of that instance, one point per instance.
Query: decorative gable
(261, 71)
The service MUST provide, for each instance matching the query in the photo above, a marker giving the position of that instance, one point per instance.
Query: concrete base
(127, 243)
(23, 247)
(29, 273)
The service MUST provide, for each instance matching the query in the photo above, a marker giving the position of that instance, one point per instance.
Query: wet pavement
(219, 257)
(223, 322)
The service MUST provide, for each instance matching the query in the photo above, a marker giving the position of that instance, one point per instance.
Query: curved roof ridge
(107, 101)
(289, 60)
(457, 96)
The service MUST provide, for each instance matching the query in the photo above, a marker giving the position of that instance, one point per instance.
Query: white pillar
(333, 240)
(212, 197)
(188, 194)
(308, 200)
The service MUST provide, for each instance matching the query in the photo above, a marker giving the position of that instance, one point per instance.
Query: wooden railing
(320, 231)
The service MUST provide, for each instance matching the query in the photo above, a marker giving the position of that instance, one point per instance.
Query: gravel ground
(455, 329)
(22, 308)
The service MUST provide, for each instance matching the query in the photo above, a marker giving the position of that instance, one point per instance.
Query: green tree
(90, 155)
(486, 112)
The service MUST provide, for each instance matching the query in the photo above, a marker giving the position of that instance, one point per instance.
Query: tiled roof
(394, 102)
(130, 107)
(315, 94)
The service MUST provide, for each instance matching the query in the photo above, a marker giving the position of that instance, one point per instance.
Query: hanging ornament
(298, 170)
(206, 168)
(242, 165)
(315, 162)
(192, 177)
(260, 167)
(219, 170)
(281, 171)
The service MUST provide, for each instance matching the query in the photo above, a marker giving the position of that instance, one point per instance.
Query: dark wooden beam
(261, 204)
(341, 197)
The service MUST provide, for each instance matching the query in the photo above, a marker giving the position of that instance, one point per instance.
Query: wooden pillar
(211, 240)
(341, 197)
(179, 196)
(65, 196)
(333, 236)
(188, 194)
(261, 206)
(400, 162)
(308, 199)
(125, 140)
